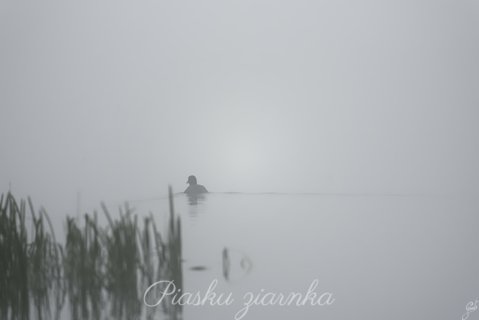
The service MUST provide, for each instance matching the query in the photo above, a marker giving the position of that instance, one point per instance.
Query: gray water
(378, 256)
(381, 256)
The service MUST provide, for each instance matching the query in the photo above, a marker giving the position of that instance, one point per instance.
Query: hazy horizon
(118, 99)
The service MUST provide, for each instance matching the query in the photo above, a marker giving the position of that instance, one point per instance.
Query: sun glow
(244, 155)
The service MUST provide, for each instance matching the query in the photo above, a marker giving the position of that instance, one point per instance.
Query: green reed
(123, 264)
(14, 297)
(102, 270)
(30, 266)
(45, 271)
(83, 265)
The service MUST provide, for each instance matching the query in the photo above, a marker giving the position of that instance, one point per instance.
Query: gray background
(116, 99)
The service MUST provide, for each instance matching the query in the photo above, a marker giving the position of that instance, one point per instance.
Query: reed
(83, 265)
(102, 271)
(45, 256)
(30, 266)
(123, 264)
(14, 297)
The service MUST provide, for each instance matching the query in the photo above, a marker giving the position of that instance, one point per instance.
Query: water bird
(194, 188)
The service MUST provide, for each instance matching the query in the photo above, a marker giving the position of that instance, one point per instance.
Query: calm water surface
(382, 257)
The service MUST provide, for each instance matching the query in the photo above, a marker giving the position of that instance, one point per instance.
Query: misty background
(118, 99)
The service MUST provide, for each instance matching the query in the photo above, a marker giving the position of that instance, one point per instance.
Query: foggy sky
(118, 99)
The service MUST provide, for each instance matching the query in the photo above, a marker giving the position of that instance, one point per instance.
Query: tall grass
(45, 270)
(123, 264)
(83, 265)
(14, 298)
(103, 270)
(30, 266)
